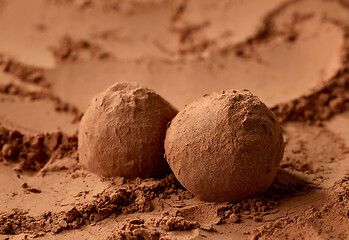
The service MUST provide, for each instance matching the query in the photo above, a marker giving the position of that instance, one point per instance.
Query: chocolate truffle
(122, 132)
(225, 146)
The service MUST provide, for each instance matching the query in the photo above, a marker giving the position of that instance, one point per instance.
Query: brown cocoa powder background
(56, 55)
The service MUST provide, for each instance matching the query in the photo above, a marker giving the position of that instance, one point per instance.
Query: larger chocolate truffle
(122, 132)
(225, 146)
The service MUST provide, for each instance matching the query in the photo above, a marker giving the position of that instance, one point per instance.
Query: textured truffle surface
(225, 146)
(123, 130)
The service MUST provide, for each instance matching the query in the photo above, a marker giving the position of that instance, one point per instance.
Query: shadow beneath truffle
(286, 184)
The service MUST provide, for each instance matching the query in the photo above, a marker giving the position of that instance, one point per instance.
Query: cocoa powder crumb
(234, 218)
(176, 224)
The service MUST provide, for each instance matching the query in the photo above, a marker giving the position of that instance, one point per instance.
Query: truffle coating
(225, 146)
(122, 132)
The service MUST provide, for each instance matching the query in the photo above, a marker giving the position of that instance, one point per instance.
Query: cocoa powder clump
(32, 152)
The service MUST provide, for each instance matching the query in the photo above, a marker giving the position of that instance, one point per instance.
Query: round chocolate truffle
(225, 146)
(122, 132)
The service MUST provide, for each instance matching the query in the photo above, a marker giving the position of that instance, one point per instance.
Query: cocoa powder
(33, 152)
(69, 50)
(137, 198)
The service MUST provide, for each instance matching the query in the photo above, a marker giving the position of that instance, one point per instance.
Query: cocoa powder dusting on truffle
(235, 129)
(126, 125)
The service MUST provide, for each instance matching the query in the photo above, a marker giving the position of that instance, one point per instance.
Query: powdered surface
(55, 55)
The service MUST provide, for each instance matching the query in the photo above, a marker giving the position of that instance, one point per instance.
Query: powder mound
(225, 146)
(330, 99)
(69, 50)
(123, 130)
(33, 152)
(24, 72)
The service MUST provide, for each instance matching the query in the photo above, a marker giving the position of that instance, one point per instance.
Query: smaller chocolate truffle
(122, 132)
(225, 146)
